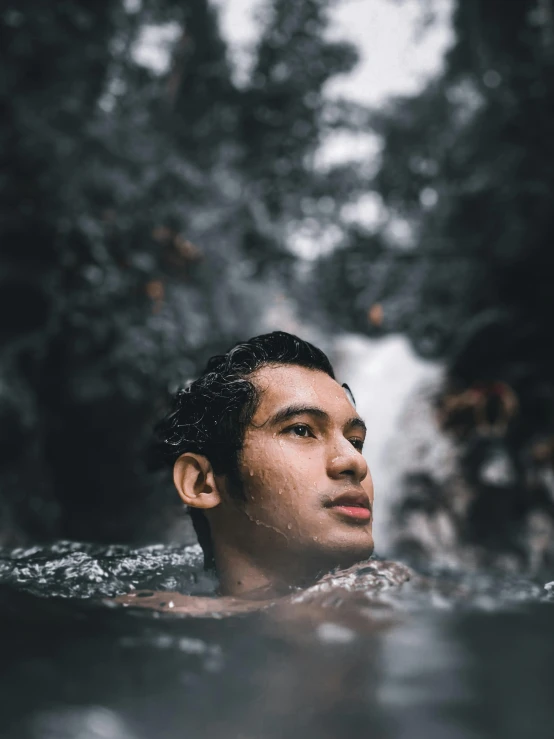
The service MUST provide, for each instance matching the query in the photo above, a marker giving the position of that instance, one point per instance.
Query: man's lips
(354, 505)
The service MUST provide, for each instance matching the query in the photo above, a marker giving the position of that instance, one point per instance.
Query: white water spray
(392, 385)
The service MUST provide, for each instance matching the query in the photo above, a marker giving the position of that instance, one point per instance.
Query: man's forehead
(283, 385)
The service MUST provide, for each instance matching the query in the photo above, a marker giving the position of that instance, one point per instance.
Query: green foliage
(467, 165)
(467, 170)
(139, 205)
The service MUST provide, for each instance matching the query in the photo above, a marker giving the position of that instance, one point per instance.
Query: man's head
(266, 451)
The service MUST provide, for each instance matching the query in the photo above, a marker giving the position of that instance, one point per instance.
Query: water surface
(366, 654)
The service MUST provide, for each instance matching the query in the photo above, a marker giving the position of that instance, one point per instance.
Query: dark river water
(368, 654)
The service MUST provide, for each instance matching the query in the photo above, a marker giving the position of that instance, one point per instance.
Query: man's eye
(357, 443)
(300, 429)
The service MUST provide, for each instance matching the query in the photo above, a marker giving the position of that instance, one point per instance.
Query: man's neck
(241, 577)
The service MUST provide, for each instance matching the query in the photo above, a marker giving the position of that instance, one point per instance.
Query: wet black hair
(209, 416)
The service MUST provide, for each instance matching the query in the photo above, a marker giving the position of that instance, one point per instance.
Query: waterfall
(393, 389)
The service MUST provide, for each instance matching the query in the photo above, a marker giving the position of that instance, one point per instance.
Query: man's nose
(346, 461)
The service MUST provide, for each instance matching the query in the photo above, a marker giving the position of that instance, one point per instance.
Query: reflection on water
(425, 680)
(368, 655)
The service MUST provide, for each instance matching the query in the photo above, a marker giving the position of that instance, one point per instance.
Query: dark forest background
(146, 223)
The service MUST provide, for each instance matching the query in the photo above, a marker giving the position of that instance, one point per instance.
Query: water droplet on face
(280, 491)
(315, 538)
(251, 473)
(289, 526)
(171, 604)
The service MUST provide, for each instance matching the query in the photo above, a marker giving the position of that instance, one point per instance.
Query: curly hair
(209, 416)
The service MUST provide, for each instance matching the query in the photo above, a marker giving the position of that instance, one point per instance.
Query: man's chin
(344, 555)
(351, 558)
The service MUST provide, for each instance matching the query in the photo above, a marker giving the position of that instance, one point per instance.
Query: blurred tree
(100, 313)
(466, 177)
(466, 169)
(139, 203)
(283, 120)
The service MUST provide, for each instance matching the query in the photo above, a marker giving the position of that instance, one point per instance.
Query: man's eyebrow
(297, 410)
(356, 422)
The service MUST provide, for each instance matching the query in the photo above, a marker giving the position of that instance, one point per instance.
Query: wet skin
(307, 499)
(301, 458)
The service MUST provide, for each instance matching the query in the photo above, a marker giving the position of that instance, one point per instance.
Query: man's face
(308, 491)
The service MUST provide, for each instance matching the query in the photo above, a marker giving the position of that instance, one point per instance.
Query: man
(266, 450)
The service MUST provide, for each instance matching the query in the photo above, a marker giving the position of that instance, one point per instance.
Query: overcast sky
(396, 57)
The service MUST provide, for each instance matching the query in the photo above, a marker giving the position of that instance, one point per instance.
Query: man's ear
(195, 481)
